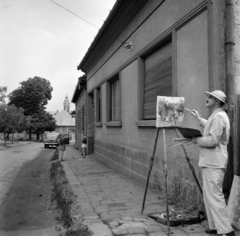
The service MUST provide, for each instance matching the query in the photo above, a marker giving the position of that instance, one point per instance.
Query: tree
(3, 91)
(11, 118)
(21, 124)
(32, 96)
(50, 122)
(73, 113)
(43, 121)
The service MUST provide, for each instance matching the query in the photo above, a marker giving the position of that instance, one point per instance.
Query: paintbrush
(187, 109)
(186, 142)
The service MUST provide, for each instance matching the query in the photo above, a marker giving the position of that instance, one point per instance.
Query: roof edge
(81, 84)
(101, 31)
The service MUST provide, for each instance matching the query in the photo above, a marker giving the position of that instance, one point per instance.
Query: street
(25, 190)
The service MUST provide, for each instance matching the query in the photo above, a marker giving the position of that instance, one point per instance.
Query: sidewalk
(112, 202)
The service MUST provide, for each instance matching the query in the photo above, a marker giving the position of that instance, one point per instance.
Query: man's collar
(216, 111)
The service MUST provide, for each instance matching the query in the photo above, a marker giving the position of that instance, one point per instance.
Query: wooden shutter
(83, 118)
(79, 120)
(99, 105)
(157, 78)
(114, 100)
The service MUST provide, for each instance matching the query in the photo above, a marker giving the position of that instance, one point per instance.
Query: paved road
(25, 190)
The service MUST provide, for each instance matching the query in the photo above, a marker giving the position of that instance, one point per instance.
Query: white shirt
(214, 141)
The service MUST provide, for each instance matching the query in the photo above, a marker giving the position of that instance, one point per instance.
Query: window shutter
(157, 78)
(114, 100)
(83, 118)
(79, 120)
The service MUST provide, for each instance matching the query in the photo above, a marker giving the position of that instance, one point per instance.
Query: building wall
(237, 45)
(78, 125)
(129, 148)
(64, 129)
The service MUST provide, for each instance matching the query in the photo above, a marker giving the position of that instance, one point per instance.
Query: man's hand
(194, 140)
(196, 115)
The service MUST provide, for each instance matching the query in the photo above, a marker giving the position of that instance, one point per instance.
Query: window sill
(114, 123)
(98, 124)
(146, 123)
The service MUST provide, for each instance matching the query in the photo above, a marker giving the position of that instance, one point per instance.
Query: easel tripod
(166, 172)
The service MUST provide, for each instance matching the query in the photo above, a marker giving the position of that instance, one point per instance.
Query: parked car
(51, 140)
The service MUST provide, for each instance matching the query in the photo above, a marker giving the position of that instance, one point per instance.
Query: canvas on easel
(170, 111)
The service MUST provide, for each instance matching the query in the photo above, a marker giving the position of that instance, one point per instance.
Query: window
(98, 105)
(83, 119)
(113, 102)
(78, 119)
(157, 78)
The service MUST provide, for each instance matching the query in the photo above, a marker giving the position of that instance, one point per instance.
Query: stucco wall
(155, 25)
(237, 45)
(129, 148)
(192, 66)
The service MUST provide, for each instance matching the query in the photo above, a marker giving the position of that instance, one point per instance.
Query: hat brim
(208, 93)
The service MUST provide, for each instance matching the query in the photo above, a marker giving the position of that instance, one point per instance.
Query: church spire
(66, 104)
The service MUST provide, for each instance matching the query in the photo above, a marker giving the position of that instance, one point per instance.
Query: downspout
(230, 56)
(231, 90)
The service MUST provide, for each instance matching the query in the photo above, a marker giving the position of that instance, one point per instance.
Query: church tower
(66, 104)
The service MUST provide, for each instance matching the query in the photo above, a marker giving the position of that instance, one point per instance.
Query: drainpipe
(231, 90)
(230, 55)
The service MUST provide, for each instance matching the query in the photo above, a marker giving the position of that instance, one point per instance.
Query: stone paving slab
(112, 202)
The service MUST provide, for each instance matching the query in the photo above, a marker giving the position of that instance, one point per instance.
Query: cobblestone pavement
(112, 202)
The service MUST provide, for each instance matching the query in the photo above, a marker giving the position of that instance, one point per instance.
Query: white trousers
(214, 201)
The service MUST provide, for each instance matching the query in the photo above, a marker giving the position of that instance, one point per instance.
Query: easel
(166, 172)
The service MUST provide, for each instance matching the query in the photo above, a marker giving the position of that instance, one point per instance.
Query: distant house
(65, 122)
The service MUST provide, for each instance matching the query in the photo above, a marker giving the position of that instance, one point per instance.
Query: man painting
(213, 160)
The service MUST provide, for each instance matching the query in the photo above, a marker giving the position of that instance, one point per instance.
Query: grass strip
(70, 213)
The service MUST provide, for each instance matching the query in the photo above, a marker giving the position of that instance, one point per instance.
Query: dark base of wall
(135, 164)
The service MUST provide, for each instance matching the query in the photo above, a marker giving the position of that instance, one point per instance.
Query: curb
(91, 220)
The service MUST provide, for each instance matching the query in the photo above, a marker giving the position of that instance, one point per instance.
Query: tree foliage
(3, 95)
(42, 121)
(12, 120)
(32, 95)
(73, 114)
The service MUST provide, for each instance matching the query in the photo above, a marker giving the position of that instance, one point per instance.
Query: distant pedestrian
(84, 146)
(61, 146)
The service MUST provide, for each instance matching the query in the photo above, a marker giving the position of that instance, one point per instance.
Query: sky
(40, 38)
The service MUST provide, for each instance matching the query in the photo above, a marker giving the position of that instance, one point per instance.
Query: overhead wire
(82, 19)
(75, 14)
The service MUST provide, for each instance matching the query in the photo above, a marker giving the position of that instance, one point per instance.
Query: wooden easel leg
(191, 167)
(149, 170)
(166, 179)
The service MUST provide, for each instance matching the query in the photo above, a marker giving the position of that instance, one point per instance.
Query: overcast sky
(39, 38)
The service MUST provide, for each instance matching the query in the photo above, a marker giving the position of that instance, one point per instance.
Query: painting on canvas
(170, 111)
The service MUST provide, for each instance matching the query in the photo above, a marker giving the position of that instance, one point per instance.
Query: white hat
(220, 95)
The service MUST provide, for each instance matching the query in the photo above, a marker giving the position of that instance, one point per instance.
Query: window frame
(141, 122)
(78, 123)
(98, 102)
(111, 121)
(83, 118)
